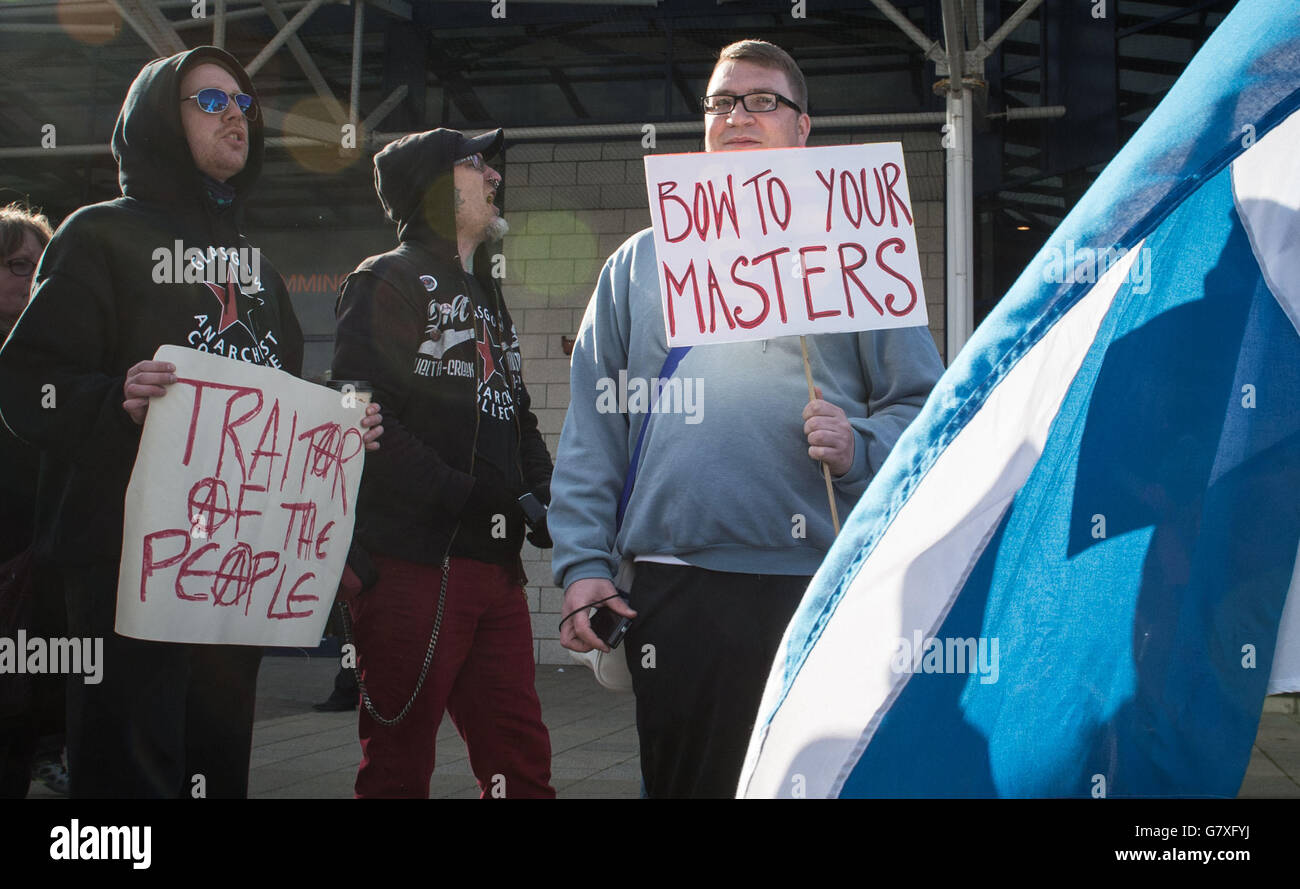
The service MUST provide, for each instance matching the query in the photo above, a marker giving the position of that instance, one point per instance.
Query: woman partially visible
(31, 741)
(23, 236)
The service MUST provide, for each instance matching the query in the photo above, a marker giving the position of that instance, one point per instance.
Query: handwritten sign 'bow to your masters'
(240, 509)
(773, 242)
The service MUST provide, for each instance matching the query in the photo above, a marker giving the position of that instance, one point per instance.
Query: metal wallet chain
(428, 655)
(442, 601)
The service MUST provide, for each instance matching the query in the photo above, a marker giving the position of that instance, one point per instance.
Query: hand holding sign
(373, 423)
(145, 380)
(830, 437)
(240, 511)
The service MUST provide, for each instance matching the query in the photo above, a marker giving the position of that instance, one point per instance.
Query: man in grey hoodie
(726, 521)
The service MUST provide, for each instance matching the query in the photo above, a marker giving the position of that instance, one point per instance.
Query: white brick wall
(570, 206)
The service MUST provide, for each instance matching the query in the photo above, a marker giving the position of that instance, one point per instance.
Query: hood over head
(414, 181)
(153, 156)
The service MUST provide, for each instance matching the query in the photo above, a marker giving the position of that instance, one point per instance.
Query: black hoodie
(442, 354)
(107, 298)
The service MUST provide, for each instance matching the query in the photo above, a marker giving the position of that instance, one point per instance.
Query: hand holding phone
(580, 599)
(609, 625)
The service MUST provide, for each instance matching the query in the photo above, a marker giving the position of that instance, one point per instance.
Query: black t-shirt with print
(494, 349)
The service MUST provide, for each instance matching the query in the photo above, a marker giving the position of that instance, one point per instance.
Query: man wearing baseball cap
(446, 625)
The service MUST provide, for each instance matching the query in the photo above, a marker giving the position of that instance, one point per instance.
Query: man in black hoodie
(447, 626)
(76, 377)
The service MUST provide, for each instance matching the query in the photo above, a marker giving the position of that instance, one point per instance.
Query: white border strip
(1266, 190)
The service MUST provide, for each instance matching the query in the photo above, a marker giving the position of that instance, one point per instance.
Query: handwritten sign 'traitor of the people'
(766, 243)
(240, 509)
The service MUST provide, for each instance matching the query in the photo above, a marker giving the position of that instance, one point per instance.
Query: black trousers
(17, 746)
(36, 729)
(166, 719)
(700, 651)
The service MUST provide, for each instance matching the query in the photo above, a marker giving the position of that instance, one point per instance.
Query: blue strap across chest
(671, 360)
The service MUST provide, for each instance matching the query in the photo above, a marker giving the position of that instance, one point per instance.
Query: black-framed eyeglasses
(473, 160)
(20, 268)
(214, 101)
(754, 103)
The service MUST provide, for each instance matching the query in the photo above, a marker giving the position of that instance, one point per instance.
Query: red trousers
(482, 674)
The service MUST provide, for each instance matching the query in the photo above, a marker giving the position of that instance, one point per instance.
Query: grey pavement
(300, 753)
(1274, 769)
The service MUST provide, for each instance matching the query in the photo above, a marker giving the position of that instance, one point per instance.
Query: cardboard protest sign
(773, 242)
(240, 509)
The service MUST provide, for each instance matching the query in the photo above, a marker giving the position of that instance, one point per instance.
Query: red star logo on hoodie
(229, 304)
(485, 352)
(229, 297)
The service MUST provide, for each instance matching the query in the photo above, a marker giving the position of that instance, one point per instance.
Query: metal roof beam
(300, 125)
(987, 47)
(289, 29)
(567, 89)
(395, 8)
(384, 108)
(932, 50)
(219, 24)
(1140, 24)
(219, 18)
(305, 62)
(152, 26)
(358, 41)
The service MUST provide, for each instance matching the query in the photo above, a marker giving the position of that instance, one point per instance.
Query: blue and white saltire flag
(1068, 578)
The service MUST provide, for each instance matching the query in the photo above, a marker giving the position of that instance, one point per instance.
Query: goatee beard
(497, 229)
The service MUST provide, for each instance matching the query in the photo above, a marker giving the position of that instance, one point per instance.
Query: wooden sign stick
(826, 470)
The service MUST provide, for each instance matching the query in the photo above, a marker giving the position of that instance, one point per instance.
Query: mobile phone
(534, 510)
(535, 518)
(609, 626)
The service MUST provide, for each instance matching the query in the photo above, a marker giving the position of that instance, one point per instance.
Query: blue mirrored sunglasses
(215, 101)
(473, 160)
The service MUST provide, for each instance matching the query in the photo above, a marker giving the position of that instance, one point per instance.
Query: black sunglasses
(754, 103)
(214, 101)
(20, 268)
